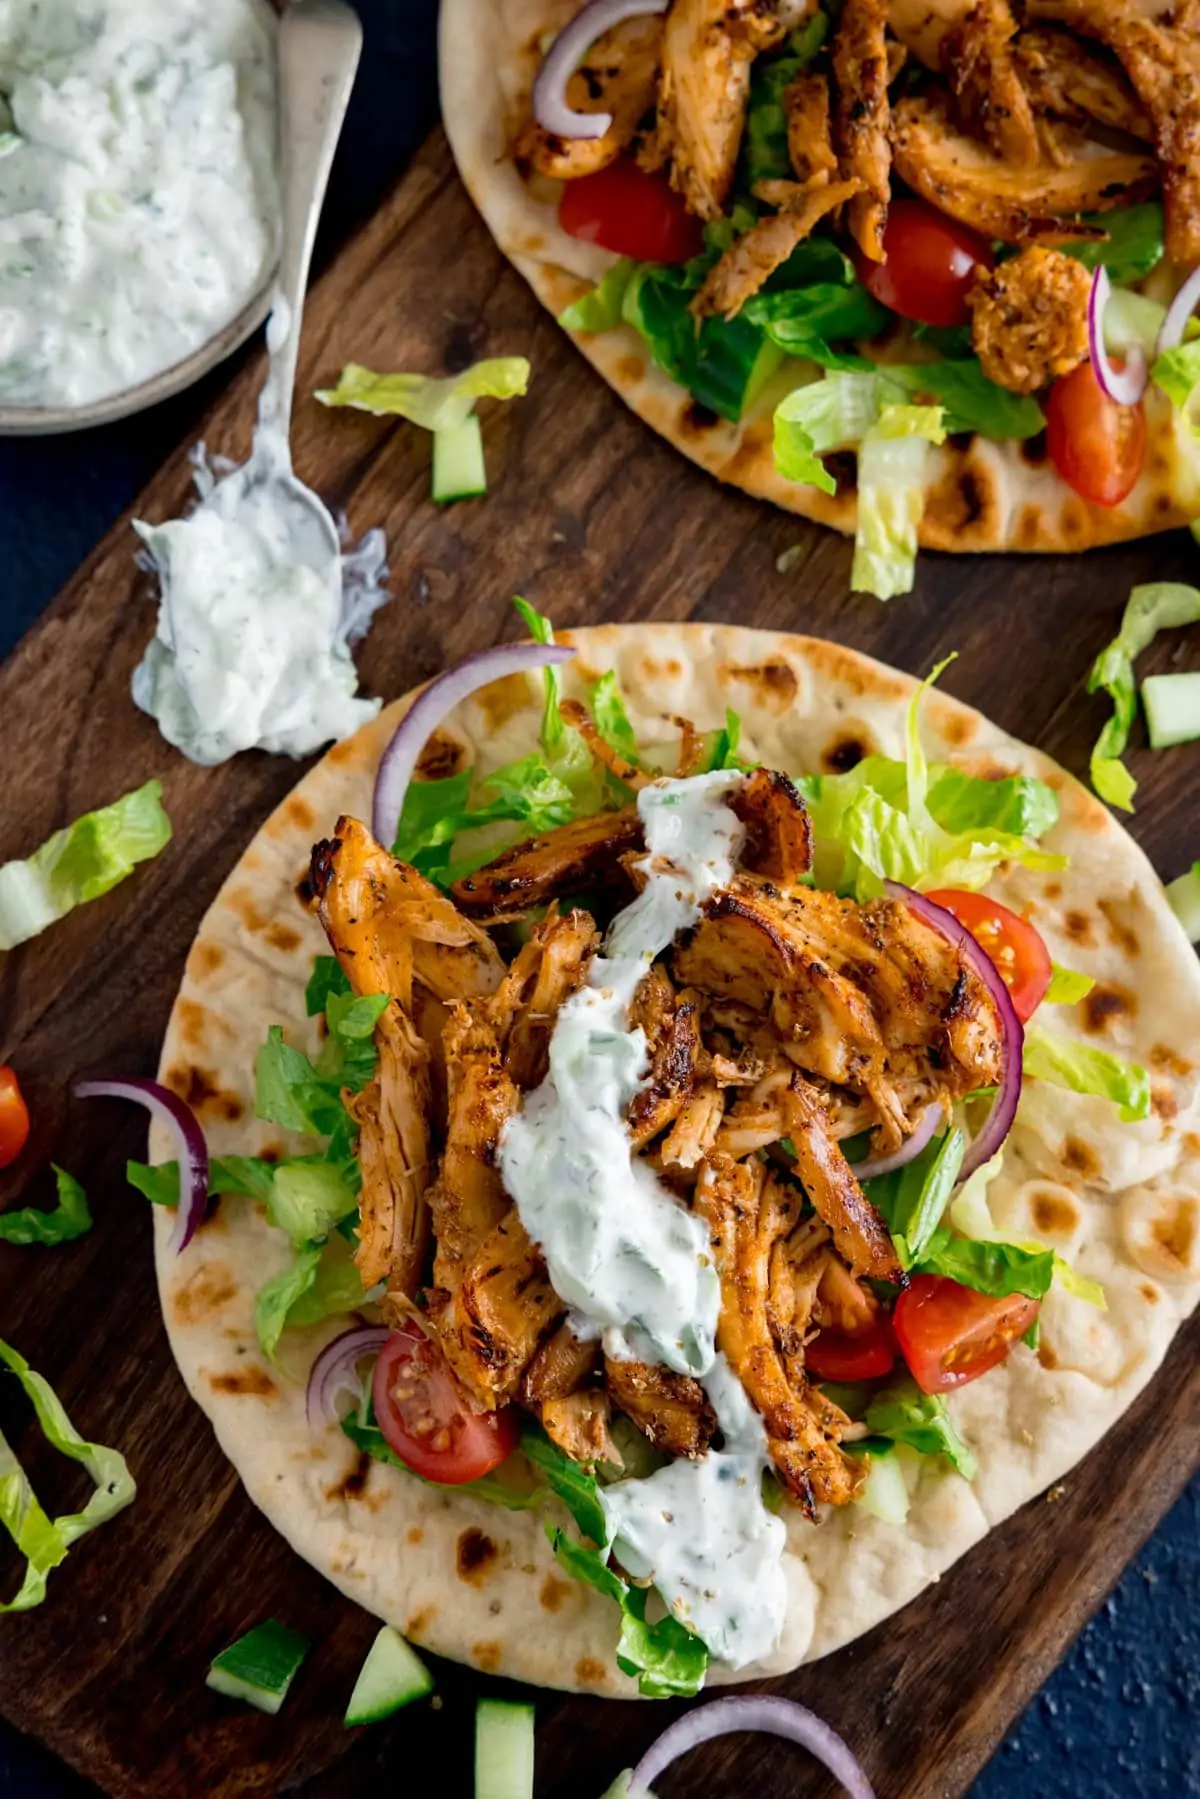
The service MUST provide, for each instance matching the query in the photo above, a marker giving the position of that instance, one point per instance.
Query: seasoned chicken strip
(1063, 76)
(986, 80)
(922, 26)
(748, 1212)
(860, 71)
(585, 853)
(1019, 206)
(1029, 318)
(809, 133)
(779, 843)
(703, 88)
(549, 969)
(695, 1130)
(673, 1044)
(388, 925)
(752, 258)
(468, 1198)
(561, 1366)
(491, 1324)
(859, 1233)
(671, 1409)
(579, 1425)
(392, 1115)
(580, 719)
(618, 75)
(1163, 65)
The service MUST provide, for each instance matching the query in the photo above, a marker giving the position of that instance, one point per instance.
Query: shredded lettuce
(435, 403)
(568, 1481)
(41, 1540)
(80, 863)
(1183, 896)
(1158, 606)
(1132, 245)
(892, 462)
(721, 747)
(970, 401)
(601, 308)
(903, 1414)
(764, 146)
(912, 1199)
(69, 1219)
(667, 1660)
(607, 706)
(1067, 987)
(437, 813)
(971, 1216)
(990, 1266)
(244, 1175)
(723, 363)
(832, 414)
(1177, 372)
(808, 321)
(276, 1297)
(1065, 1062)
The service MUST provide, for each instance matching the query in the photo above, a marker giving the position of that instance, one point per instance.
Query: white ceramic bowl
(44, 421)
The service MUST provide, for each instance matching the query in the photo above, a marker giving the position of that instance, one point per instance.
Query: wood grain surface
(593, 518)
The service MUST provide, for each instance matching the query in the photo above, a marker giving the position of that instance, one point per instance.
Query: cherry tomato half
(1097, 445)
(1011, 941)
(625, 210)
(14, 1118)
(949, 1334)
(422, 1415)
(930, 259)
(861, 1355)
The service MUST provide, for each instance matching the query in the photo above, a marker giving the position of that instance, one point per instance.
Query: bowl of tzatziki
(139, 200)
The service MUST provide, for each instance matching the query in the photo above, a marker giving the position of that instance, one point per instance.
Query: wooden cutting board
(594, 519)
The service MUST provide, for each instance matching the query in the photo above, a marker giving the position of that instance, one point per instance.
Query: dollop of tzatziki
(139, 187)
(636, 1266)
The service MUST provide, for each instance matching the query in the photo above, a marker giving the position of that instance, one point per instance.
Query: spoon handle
(319, 46)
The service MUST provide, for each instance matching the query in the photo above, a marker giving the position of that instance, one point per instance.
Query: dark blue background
(1119, 1717)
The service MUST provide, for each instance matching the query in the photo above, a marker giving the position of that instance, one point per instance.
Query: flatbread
(470, 1580)
(981, 495)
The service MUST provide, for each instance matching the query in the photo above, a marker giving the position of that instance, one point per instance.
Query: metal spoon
(319, 46)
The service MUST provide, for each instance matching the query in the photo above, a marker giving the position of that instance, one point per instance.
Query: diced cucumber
(1172, 705)
(458, 470)
(885, 1494)
(261, 1666)
(392, 1675)
(503, 1750)
(1184, 896)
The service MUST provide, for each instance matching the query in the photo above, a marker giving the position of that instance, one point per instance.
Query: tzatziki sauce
(634, 1265)
(139, 187)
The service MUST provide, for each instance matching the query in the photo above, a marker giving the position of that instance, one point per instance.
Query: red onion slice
(192, 1150)
(333, 1372)
(1180, 310)
(908, 1151)
(1012, 1034)
(564, 56)
(431, 707)
(772, 1717)
(1127, 385)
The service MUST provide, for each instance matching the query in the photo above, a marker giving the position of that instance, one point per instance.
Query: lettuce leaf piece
(289, 1091)
(831, 414)
(723, 363)
(607, 706)
(1067, 987)
(245, 1175)
(1065, 1062)
(1018, 806)
(276, 1297)
(365, 1434)
(1133, 242)
(1177, 372)
(307, 1200)
(336, 1289)
(1157, 606)
(69, 1219)
(807, 321)
(891, 498)
(667, 1660)
(328, 976)
(601, 308)
(436, 814)
(912, 1199)
(721, 747)
(989, 1266)
(435, 403)
(904, 1414)
(1183, 896)
(41, 1540)
(80, 863)
(764, 154)
(971, 1216)
(969, 400)
(542, 631)
(568, 1481)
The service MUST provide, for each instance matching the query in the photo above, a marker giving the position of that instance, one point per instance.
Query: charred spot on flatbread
(250, 1382)
(474, 1554)
(1105, 1003)
(1080, 1157)
(553, 1593)
(773, 684)
(1054, 1211)
(204, 1293)
(1169, 1060)
(353, 1483)
(590, 1673)
(442, 757)
(1078, 927)
(487, 1657)
(843, 754)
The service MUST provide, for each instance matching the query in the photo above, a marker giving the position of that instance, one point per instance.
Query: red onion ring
(772, 1717)
(333, 1371)
(1012, 1034)
(1180, 310)
(1127, 385)
(564, 56)
(429, 709)
(191, 1149)
(908, 1151)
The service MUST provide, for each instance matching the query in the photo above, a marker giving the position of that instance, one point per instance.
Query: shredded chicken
(1037, 205)
(582, 855)
(1162, 61)
(691, 749)
(858, 1231)
(500, 1308)
(671, 1409)
(779, 843)
(671, 1025)
(752, 258)
(1068, 78)
(1029, 319)
(546, 971)
(561, 1366)
(695, 1130)
(860, 68)
(809, 132)
(468, 1198)
(748, 1212)
(394, 1153)
(619, 76)
(579, 1425)
(602, 751)
(986, 81)
(703, 88)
